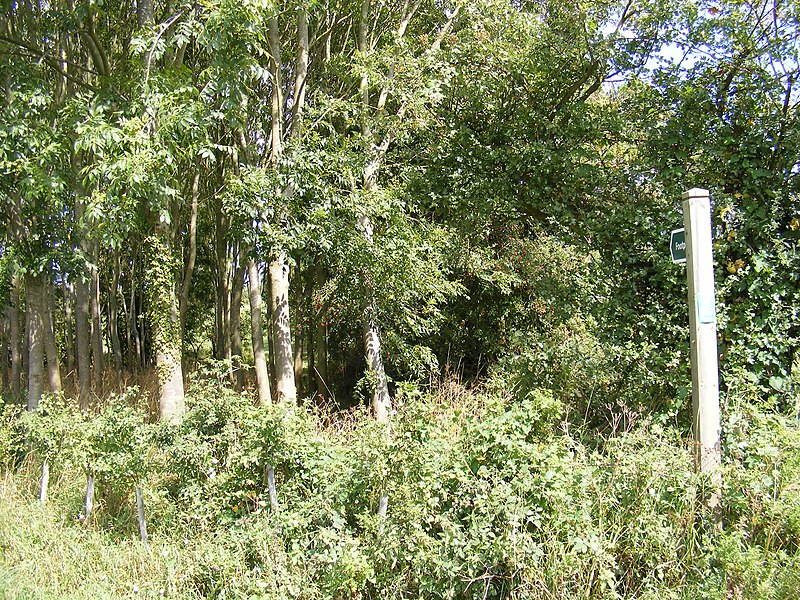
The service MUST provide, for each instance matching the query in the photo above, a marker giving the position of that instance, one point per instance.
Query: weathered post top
(695, 193)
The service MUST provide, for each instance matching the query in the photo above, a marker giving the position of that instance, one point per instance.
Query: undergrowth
(489, 497)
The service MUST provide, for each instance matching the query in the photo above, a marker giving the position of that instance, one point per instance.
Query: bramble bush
(491, 495)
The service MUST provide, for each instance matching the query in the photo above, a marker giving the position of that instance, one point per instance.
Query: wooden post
(140, 515)
(89, 500)
(45, 481)
(703, 328)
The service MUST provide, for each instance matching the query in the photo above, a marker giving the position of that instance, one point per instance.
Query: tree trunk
(381, 402)
(299, 331)
(69, 326)
(133, 339)
(16, 338)
(97, 324)
(192, 255)
(281, 330)
(321, 336)
(165, 326)
(237, 287)
(256, 333)
(5, 348)
(50, 345)
(144, 12)
(113, 318)
(35, 296)
(82, 335)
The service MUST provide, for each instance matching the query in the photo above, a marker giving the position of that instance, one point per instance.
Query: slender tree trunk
(381, 402)
(321, 336)
(144, 12)
(271, 346)
(299, 331)
(69, 326)
(256, 333)
(16, 338)
(165, 326)
(134, 341)
(281, 330)
(5, 348)
(82, 335)
(237, 288)
(35, 296)
(143, 345)
(113, 318)
(97, 324)
(50, 345)
(191, 258)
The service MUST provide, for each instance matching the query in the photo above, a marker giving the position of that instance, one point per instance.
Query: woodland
(374, 299)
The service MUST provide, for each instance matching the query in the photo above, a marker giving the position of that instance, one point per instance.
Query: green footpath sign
(677, 246)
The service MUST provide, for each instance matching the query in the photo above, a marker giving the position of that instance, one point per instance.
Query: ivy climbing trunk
(165, 325)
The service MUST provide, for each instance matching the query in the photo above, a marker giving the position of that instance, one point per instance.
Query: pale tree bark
(381, 401)
(256, 332)
(51, 348)
(35, 325)
(285, 387)
(281, 330)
